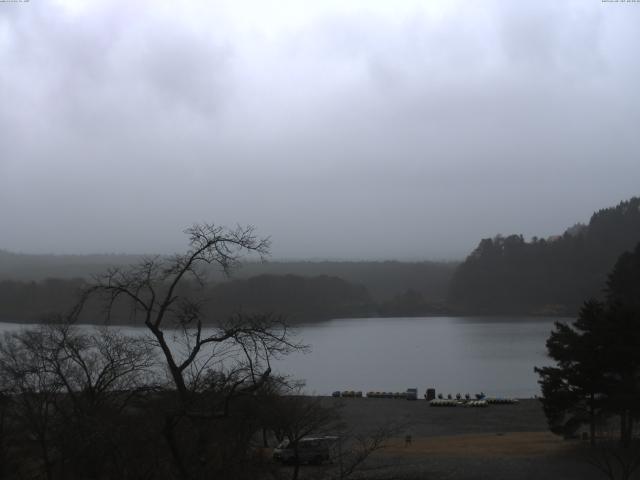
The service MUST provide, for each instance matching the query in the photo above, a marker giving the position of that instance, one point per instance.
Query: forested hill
(299, 299)
(384, 280)
(34, 286)
(546, 276)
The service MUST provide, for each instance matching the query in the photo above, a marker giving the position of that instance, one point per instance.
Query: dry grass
(485, 445)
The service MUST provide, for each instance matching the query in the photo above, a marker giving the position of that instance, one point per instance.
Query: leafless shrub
(615, 461)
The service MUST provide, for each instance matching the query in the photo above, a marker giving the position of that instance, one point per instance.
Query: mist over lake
(495, 355)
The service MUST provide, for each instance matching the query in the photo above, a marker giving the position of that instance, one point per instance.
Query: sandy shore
(496, 442)
(417, 418)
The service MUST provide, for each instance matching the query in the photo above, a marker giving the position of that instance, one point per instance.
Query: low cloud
(352, 131)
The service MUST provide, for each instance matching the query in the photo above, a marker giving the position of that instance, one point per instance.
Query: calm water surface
(495, 355)
(451, 354)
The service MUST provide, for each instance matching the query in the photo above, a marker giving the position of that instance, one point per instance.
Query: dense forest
(297, 298)
(507, 274)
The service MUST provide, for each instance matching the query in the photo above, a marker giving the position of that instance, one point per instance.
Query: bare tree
(209, 361)
(615, 460)
(294, 417)
(33, 392)
(63, 387)
(356, 449)
(103, 372)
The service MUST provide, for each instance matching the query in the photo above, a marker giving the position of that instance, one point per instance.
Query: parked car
(313, 450)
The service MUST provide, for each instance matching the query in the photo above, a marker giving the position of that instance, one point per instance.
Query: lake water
(495, 355)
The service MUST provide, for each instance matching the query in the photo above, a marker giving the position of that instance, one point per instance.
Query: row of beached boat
(402, 395)
(348, 394)
(449, 402)
(480, 401)
(358, 394)
(455, 403)
(501, 400)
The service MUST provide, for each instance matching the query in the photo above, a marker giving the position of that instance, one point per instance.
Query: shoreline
(502, 316)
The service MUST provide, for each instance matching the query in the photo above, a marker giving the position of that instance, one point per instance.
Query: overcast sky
(342, 129)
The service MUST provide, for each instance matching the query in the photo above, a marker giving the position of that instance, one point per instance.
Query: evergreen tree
(623, 299)
(573, 391)
(623, 285)
(598, 359)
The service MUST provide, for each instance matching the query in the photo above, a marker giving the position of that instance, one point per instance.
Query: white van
(313, 450)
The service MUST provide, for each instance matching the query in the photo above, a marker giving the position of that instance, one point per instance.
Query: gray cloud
(347, 132)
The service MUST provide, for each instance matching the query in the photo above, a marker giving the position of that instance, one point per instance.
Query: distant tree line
(545, 276)
(301, 299)
(383, 280)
